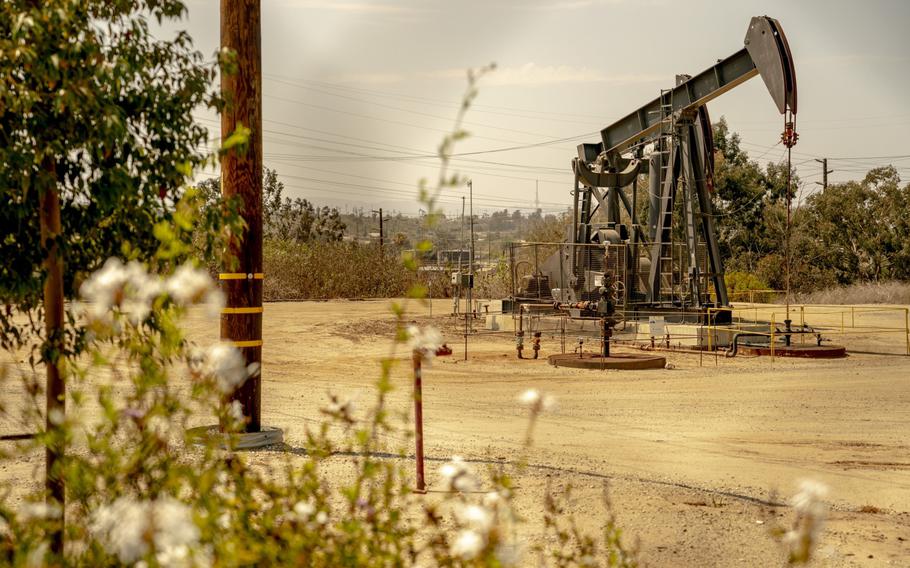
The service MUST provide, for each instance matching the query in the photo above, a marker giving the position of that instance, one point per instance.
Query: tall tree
(96, 141)
(860, 227)
(95, 108)
(286, 219)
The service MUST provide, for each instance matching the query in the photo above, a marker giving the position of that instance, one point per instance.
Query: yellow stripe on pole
(248, 343)
(241, 276)
(256, 310)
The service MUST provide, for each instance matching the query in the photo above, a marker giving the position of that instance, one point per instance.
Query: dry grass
(326, 270)
(893, 292)
(871, 509)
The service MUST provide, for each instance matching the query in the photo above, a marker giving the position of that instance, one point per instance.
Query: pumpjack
(669, 138)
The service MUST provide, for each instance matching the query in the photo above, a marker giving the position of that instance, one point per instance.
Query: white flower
(213, 301)
(810, 517)
(322, 517)
(475, 517)
(56, 416)
(809, 500)
(225, 362)
(424, 341)
(104, 288)
(492, 499)
(36, 556)
(128, 287)
(457, 474)
(175, 556)
(467, 545)
(304, 509)
(235, 411)
(126, 526)
(340, 408)
(159, 426)
(189, 285)
(224, 520)
(141, 290)
(37, 510)
(223, 487)
(175, 531)
(536, 401)
(530, 397)
(122, 525)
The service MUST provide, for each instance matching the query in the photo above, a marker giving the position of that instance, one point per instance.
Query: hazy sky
(355, 91)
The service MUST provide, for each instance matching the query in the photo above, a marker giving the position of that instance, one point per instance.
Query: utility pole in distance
(471, 214)
(825, 172)
(381, 232)
(471, 266)
(241, 175)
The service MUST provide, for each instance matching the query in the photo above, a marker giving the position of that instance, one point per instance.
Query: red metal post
(418, 420)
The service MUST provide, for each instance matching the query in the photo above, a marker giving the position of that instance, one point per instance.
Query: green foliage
(284, 219)
(744, 197)
(860, 229)
(92, 105)
(549, 229)
(740, 286)
(96, 107)
(143, 487)
(855, 231)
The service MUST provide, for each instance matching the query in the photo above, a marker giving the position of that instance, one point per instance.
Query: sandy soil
(699, 457)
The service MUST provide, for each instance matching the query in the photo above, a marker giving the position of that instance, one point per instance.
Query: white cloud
(531, 74)
(352, 7)
(565, 5)
(366, 78)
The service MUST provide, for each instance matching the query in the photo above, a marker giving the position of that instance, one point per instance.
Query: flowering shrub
(142, 491)
(800, 539)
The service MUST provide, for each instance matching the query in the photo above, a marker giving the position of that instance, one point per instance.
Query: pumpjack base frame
(268, 436)
(620, 361)
(803, 351)
(677, 314)
(636, 312)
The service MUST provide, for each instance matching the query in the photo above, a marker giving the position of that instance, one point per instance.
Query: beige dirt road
(700, 458)
(693, 454)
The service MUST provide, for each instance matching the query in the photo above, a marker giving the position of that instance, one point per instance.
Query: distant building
(453, 257)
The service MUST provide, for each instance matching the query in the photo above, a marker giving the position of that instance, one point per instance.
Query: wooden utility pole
(825, 172)
(241, 175)
(54, 346)
(381, 233)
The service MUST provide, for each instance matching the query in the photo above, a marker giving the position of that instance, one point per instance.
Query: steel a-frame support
(685, 153)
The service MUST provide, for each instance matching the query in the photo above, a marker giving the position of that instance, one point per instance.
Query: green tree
(860, 228)
(739, 200)
(283, 218)
(750, 204)
(98, 110)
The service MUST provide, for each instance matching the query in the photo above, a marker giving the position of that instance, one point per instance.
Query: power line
(405, 199)
(389, 190)
(417, 156)
(424, 100)
(398, 122)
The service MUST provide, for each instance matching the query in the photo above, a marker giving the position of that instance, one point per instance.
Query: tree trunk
(54, 348)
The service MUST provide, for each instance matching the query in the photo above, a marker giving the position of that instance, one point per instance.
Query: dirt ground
(700, 457)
